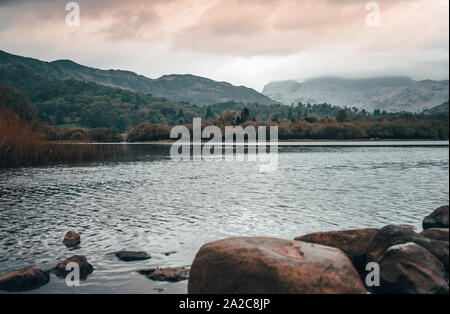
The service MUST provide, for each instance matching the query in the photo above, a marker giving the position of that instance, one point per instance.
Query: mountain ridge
(390, 93)
(177, 87)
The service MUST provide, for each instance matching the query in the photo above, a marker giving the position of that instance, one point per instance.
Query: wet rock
(440, 234)
(437, 219)
(71, 239)
(129, 256)
(399, 234)
(24, 280)
(269, 265)
(411, 269)
(173, 274)
(352, 242)
(85, 268)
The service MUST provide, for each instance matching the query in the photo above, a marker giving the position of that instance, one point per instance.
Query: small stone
(85, 268)
(129, 256)
(24, 280)
(169, 253)
(71, 239)
(173, 274)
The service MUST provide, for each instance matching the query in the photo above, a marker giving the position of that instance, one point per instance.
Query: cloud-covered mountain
(187, 88)
(392, 94)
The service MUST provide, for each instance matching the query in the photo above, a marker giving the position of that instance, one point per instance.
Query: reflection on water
(149, 202)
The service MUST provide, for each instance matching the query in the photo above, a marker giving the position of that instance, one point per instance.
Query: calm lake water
(149, 202)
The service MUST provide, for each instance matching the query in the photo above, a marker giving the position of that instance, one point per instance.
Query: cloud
(242, 41)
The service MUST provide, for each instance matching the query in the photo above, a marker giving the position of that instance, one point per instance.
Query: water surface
(149, 202)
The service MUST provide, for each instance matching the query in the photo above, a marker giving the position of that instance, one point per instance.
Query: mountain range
(186, 88)
(392, 94)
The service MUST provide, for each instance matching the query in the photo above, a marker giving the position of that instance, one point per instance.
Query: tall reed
(24, 143)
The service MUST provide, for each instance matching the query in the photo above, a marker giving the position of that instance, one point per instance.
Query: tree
(209, 114)
(342, 116)
(180, 117)
(17, 102)
(245, 116)
(290, 114)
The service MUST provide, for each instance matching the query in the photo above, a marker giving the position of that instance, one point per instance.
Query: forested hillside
(188, 88)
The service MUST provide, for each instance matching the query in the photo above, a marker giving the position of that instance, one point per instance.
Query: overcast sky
(244, 42)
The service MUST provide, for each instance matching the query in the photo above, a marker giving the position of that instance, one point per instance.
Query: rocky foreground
(393, 259)
(330, 262)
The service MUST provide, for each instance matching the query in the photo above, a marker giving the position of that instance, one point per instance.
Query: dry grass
(24, 143)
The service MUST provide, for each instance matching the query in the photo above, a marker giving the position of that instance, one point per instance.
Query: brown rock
(173, 274)
(352, 242)
(85, 268)
(440, 234)
(268, 265)
(24, 280)
(71, 239)
(437, 219)
(399, 234)
(410, 269)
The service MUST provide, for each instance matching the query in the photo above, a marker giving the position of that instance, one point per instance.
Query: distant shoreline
(286, 143)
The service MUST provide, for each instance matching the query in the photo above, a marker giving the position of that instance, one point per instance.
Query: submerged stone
(72, 239)
(85, 268)
(172, 274)
(24, 280)
(129, 256)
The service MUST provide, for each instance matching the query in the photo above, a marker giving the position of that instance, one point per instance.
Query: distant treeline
(384, 126)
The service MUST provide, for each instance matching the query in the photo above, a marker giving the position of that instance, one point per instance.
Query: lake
(148, 202)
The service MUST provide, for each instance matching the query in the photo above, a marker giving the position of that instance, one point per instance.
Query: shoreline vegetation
(26, 140)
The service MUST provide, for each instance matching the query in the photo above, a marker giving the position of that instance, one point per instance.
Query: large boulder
(437, 219)
(440, 234)
(24, 280)
(399, 234)
(268, 265)
(129, 256)
(85, 268)
(172, 274)
(352, 242)
(71, 239)
(410, 269)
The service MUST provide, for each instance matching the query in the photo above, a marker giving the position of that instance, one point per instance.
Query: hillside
(87, 104)
(72, 103)
(392, 94)
(186, 88)
(441, 109)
